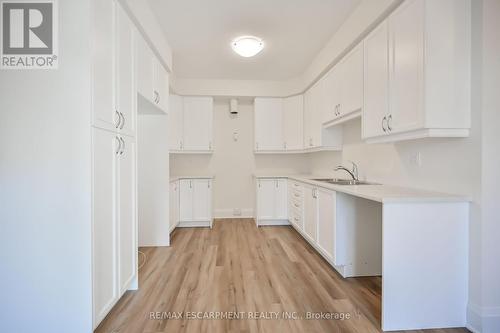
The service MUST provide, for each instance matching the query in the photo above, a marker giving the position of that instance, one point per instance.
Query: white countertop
(379, 193)
(176, 178)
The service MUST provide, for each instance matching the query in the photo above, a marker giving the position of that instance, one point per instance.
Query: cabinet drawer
(296, 186)
(296, 195)
(296, 204)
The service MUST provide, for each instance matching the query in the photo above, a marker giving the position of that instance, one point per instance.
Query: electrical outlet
(237, 212)
(416, 159)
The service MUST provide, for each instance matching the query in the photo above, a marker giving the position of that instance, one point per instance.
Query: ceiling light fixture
(247, 46)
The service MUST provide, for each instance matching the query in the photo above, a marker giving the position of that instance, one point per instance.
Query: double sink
(335, 181)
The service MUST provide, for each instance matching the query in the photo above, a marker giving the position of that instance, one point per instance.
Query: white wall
(153, 180)
(233, 162)
(490, 185)
(45, 187)
(147, 24)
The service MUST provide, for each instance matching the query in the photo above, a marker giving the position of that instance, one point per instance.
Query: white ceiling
(294, 31)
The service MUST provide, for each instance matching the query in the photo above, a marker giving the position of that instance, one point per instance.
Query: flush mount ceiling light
(247, 46)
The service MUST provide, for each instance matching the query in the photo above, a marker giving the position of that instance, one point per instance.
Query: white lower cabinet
(310, 213)
(174, 205)
(195, 203)
(114, 219)
(272, 201)
(296, 205)
(326, 201)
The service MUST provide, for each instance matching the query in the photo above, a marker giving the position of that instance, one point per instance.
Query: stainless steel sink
(344, 181)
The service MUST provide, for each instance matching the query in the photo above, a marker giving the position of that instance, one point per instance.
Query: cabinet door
(268, 124)
(174, 205)
(145, 69)
(202, 200)
(331, 91)
(351, 87)
(317, 104)
(104, 115)
(310, 213)
(127, 213)
(162, 85)
(326, 222)
(175, 122)
(104, 199)
(308, 119)
(125, 73)
(281, 200)
(406, 33)
(198, 114)
(376, 81)
(186, 200)
(293, 118)
(266, 193)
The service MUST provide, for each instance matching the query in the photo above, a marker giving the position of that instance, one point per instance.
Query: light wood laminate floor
(239, 268)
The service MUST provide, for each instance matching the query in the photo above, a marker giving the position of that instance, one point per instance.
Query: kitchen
(228, 170)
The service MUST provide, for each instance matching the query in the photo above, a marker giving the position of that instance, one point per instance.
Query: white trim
(272, 222)
(193, 224)
(484, 319)
(421, 133)
(343, 119)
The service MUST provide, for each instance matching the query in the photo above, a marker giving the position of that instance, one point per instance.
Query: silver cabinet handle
(159, 98)
(296, 195)
(339, 109)
(123, 148)
(257, 146)
(296, 219)
(190, 184)
(181, 145)
(119, 145)
(296, 205)
(276, 183)
(123, 120)
(389, 119)
(284, 145)
(383, 124)
(119, 120)
(210, 145)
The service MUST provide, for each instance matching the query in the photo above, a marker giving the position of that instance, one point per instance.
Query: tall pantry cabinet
(114, 183)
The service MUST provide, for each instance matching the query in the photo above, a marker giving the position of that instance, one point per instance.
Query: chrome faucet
(353, 173)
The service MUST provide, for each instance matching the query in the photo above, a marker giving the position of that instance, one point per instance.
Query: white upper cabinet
(175, 122)
(406, 76)
(103, 104)
(197, 123)
(125, 97)
(351, 82)
(293, 117)
(376, 81)
(417, 73)
(190, 124)
(343, 87)
(316, 137)
(268, 113)
(152, 78)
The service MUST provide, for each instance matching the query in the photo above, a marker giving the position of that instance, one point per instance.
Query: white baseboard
(246, 213)
(272, 222)
(193, 224)
(483, 319)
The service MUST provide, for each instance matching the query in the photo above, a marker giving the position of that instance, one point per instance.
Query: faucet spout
(353, 173)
